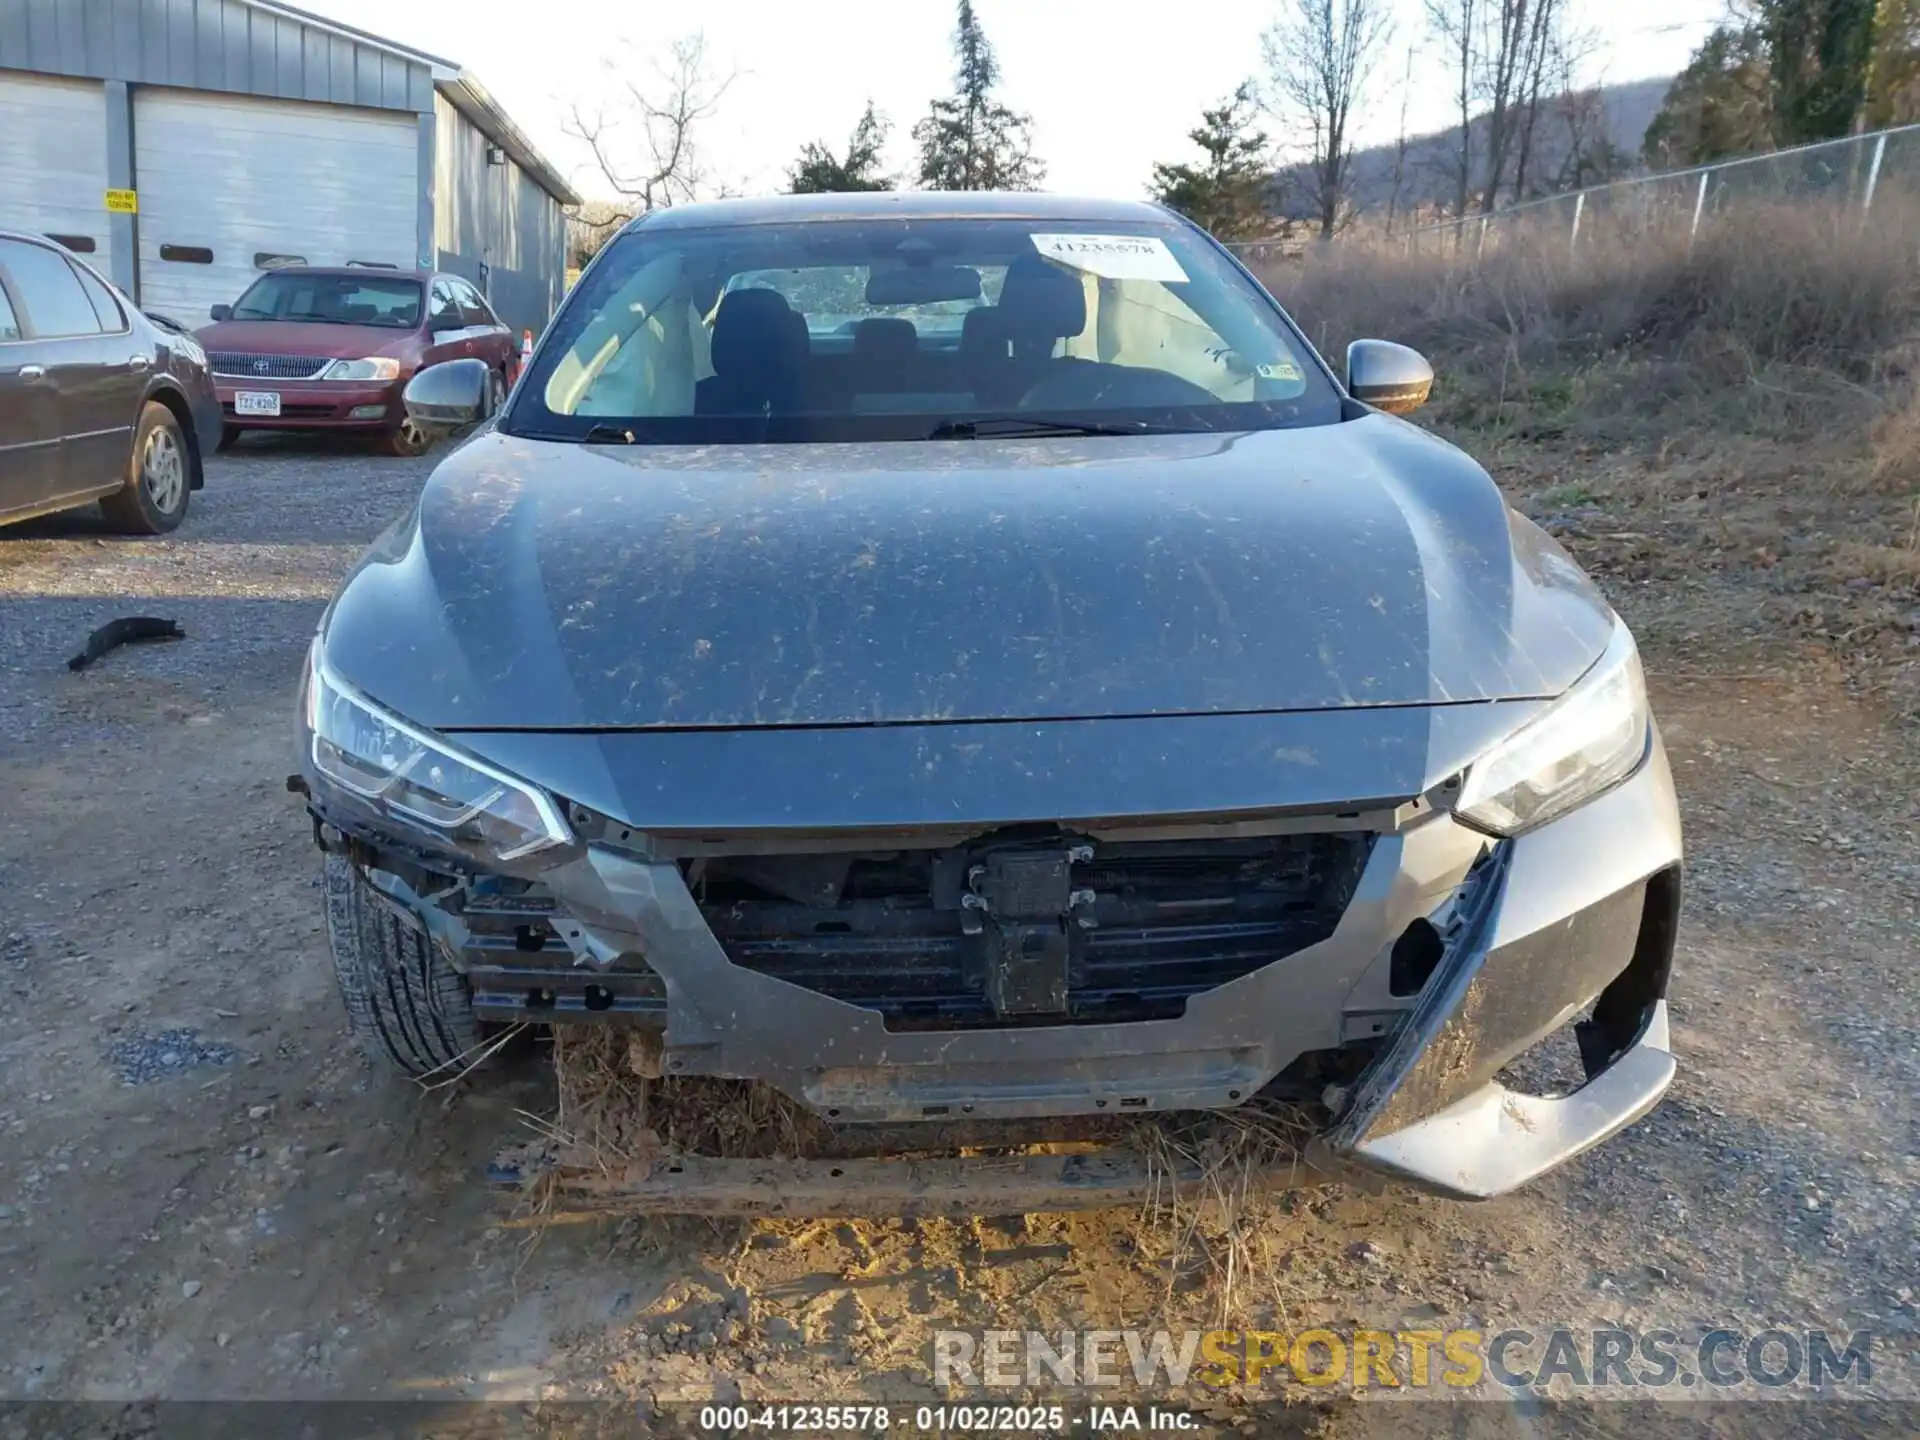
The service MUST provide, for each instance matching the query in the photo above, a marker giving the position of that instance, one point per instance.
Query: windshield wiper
(1014, 427)
(604, 434)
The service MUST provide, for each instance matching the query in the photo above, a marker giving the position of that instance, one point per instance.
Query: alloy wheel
(163, 470)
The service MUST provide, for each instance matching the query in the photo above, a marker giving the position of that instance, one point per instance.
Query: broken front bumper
(1576, 917)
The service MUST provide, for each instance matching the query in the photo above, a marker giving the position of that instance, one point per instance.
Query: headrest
(754, 333)
(886, 340)
(984, 334)
(1041, 300)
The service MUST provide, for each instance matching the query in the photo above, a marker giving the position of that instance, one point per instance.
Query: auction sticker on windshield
(1114, 257)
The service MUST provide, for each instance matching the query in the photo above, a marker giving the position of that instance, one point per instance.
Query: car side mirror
(1387, 376)
(221, 312)
(447, 396)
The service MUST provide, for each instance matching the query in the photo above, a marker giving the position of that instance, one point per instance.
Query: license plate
(256, 402)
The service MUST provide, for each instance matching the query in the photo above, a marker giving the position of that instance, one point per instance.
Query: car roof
(902, 205)
(47, 242)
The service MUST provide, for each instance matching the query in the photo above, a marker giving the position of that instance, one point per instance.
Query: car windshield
(904, 328)
(332, 300)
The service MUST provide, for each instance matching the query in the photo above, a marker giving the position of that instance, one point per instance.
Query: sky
(1112, 88)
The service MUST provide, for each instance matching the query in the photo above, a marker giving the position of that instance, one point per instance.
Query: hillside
(1622, 112)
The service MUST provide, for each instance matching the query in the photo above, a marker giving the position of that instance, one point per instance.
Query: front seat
(986, 357)
(1040, 305)
(756, 359)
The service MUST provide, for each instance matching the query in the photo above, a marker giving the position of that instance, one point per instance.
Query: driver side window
(445, 314)
(473, 310)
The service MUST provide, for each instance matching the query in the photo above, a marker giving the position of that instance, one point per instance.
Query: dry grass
(1771, 284)
(1896, 445)
(1209, 1218)
(1780, 321)
(611, 1118)
(1224, 1228)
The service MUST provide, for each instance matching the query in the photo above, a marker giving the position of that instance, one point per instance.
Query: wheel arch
(162, 392)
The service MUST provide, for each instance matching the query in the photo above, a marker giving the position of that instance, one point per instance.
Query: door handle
(33, 372)
(138, 362)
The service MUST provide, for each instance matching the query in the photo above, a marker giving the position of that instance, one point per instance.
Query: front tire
(408, 441)
(406, 1005)
(159, 473)
(229, 437)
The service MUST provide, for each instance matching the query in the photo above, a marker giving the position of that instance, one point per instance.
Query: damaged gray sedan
(967, 658)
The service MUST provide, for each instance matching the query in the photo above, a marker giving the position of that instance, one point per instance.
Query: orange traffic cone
(526, 347)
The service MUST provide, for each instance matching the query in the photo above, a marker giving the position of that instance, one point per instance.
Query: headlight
(417, 777)
(379, 367)
(1591, 738)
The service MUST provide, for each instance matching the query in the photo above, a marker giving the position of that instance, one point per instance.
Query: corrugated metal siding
(207, 45)
(496, 216)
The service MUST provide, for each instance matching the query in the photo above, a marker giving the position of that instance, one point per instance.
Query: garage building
(184, 146)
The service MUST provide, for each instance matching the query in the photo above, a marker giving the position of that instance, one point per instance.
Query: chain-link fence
(1847, 173)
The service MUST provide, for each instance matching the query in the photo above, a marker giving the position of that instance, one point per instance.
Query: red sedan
(308, 348)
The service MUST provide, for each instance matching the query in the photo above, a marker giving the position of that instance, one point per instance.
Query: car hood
(541, 585)
(295, 337)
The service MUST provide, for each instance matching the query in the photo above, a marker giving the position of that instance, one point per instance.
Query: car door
(96, 378)
(29, 419)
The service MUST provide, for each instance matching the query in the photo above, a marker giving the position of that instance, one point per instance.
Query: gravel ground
(263, 547)
(143, 1056)
(263, 1215)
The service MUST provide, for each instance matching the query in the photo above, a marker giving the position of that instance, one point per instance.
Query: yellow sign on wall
(123, 202)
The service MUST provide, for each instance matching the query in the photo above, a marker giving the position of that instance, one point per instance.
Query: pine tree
(1893, 76)
(1720, 105)
(1229, 195)
(1800, 71)
(969, 140)
(820, 171)
(1818, 52)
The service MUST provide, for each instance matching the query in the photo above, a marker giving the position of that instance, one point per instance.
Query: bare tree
(1400, 144)
(1551, 97)
(1319, 54)
(1456, 25)
(1515, 53)
(1531, 84)
(647, 147)
(1592, 157)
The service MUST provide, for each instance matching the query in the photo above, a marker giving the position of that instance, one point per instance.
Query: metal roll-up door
(53, 161)
(229, 184)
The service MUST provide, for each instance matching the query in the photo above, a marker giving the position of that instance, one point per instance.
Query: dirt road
(206, 1193)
